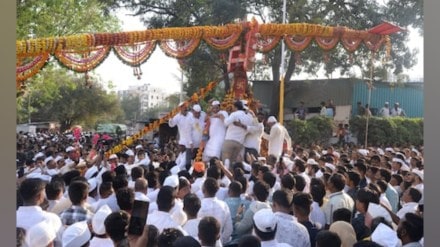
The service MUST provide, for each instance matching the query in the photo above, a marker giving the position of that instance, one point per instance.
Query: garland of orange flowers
(131, 139)
(30, 69)
(90, 58)
(132, 57)
(187, 39)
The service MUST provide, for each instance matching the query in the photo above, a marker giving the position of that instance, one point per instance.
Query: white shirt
(290, 231)
(274, 243)
(28, 216)
(276, 137)
(409, 207)
(219, 210)
(111, 201)
(337, 200)
(397, 112)
(163, 220)
(253, 137)
(181, 160)
(384, 112)
(153, 195)
(192, 227)
(141, 196)
(183, 124)
(197, 185)
(197, 126)
(101, 242)
(233, 132)
(317, 215)
(217, 132)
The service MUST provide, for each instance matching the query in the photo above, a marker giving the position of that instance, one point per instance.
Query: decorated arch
(84, 52)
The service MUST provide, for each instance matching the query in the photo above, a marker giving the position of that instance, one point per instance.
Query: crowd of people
(214, 187)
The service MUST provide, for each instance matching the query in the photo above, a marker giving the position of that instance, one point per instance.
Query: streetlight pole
(281, 110)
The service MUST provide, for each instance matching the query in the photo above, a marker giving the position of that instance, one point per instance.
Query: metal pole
(370, 86)
(181, 86)
(281, 100)
(29, 108)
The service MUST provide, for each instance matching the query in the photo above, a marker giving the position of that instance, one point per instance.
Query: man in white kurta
(278, 134)
(217, 132)
(183, 123)
(235, 133)
(197, 120)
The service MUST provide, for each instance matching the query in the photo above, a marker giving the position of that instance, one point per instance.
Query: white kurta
(276, 137)
(217, 132)
(197, 126)
(183, 124)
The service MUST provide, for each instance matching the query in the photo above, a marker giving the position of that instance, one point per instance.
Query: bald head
(141, 185)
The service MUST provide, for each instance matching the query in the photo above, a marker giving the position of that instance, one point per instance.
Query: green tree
(131, 106)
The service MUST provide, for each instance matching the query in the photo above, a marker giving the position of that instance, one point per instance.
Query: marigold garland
(179, 48)
(90, 59)
(133, 58)
(297, 43)
(28, 70)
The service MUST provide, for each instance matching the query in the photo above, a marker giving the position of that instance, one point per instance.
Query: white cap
(139, 147)
(389, 149)
(215, 102)
(380, 151)
(76, 234)
(58, 158)
(99, 218)
(181, 104)
(38, 155)
(399, 161)
(265, 220)
(69, 149)
(385, 236)
(48, 159)
(175, 170)
(363, 152)
(312, 162)
(129, 152)
(376, 210)
(89, 173)
(319, 174)
(418, 173)
(92, 184)
(113, 156)
(331, 166)
(271, 119)
(40, 235)
(172, 181)
(197, 108)
(387, 103)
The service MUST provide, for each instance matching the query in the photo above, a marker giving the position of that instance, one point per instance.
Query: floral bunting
(28, 70)
(179, 48)
(326, 43)
(84, 52)
(135, 55)
(84, 61)
(297, 43)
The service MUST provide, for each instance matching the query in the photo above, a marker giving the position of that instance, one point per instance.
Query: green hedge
(396, 131)
(316, 130)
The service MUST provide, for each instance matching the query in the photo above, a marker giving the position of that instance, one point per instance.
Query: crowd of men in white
(233, 197)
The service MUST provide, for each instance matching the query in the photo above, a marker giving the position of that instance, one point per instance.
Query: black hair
(78, 192)
(300, 182)
(269, 178)
(68, 176)
(261, 191)
(235, 189)
(125, 198)
(209, 230)
(265, 236)
(54, 188)
(338, 181)
(30, 189)
(137, 172)
(191, 204)
(328, 239)
(288, 181)
(120, 181)
(415, 194)
(343, 214)
(355, 177)
(165, 198)
(168, 236)
(413, 224)
(108, 176)
(282, 198)
(302, 202)
(210, 186)
(249, 240)
(115, 225)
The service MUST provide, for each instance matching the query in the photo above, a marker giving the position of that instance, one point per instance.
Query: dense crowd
(215, 186)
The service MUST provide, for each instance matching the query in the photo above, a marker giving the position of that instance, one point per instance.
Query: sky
(163, 72)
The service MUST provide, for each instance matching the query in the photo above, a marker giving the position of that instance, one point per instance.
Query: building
(345, 92)
(149, 96)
